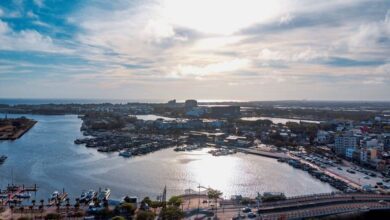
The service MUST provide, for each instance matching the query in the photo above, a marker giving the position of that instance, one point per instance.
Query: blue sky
(204, 49)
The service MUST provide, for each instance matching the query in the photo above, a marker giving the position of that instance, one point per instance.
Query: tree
(175, 201)
(118, 218)
(128, 208)
(147, 200)
(172, 212)
(145, 215)
(215, 195)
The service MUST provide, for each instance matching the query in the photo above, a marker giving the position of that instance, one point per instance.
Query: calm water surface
(278, 120)
(47, 156)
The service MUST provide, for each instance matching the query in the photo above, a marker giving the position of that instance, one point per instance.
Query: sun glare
(219, 16)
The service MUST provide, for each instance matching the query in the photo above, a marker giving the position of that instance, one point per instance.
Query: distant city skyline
(208, 50)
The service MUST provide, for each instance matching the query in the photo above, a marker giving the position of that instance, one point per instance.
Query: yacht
(57, 196)
(90, 195)
(54, 196)
(104, 194)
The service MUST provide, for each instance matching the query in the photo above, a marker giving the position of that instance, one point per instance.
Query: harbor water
(47, 156)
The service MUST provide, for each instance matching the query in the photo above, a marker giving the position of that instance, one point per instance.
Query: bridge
(313, 206)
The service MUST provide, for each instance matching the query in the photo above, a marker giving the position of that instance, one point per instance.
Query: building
(342, 142)
(349, 152)
(172, 103)
(190, 103)
(196, 112)
(386, 141)
(323, 137)
(225, 111)
(368, 154)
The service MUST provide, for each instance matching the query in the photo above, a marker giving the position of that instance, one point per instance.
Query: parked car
(246, 210)
(251, 215)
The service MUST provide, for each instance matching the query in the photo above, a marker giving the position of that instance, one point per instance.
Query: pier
(274, 155)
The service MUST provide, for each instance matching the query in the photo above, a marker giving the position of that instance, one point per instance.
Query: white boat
(55, 195)
(90, 195)
(83, 196)
(23, 195)
(104, 194)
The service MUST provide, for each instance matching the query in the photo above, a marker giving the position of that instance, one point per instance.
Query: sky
(202, 49)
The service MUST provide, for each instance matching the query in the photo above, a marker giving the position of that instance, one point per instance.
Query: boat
(88, 196)
(83, 196)
(24, 195)
(56, 196)
(3, 158)
(103, 195)
(126, 154)
(177, 149)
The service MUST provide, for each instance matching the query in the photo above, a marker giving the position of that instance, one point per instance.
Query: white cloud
(286, 19)
(39, 3)
(3, 27)
(369, 34)
(295, 55)
(27, 40)
(210, 69)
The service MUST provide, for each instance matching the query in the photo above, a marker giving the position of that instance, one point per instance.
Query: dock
(275, 155)
(13, 190)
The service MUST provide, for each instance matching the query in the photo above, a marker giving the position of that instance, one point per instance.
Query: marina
(67, 165)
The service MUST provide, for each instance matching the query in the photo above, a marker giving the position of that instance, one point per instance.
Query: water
(152, 117)
(278, 120)
(47, 156)
(75, 101)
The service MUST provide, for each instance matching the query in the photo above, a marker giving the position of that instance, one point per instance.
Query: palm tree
(58, 204)
(21, 211)
(40, 209)
(31, 207)
(12, 209)
(67, 208)
(76, 206)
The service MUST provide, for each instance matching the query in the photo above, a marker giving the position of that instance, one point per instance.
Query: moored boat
(126, 154)
(104, 194)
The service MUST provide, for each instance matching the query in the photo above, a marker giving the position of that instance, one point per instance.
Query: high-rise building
(342, 142)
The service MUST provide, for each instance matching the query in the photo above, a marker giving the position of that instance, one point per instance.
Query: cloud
(196, 45)
(297, 55)
(39, 3)
(209, 69)
(345, 62)
(27, 40)
(372, 34)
